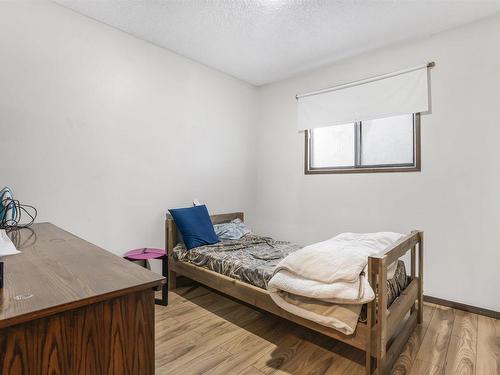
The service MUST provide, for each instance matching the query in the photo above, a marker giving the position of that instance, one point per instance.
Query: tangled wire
(13, 213)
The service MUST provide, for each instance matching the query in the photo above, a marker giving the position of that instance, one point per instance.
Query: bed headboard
(171, 232)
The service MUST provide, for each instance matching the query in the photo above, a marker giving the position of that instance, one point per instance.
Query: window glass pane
(332, 146)
(387, 141)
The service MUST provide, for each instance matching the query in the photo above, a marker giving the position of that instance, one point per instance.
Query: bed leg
(170, 241)
(381, 298)
(368, 352)
(413, 274)
(172, 280)
(370, 318)
(368, 365)
(420, 316)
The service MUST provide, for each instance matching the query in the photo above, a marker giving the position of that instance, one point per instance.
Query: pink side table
(146, 254)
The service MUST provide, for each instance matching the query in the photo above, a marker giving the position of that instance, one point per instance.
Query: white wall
(103, 132)
(455, 199)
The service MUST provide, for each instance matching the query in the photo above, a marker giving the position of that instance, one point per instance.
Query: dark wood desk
(70, 307)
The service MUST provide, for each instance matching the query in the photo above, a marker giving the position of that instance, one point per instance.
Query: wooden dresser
(70, 307)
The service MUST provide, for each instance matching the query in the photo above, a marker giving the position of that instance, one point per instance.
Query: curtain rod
(366, 80)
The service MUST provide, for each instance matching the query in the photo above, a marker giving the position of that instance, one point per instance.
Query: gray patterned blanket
(251, 259)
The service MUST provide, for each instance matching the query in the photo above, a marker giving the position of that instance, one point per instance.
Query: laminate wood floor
(202, 332)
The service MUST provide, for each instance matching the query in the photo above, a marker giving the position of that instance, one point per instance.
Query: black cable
(15, 222)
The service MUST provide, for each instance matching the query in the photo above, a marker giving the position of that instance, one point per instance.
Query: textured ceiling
(261, 41)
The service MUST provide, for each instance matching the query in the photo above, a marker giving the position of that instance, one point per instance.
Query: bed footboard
(389, 329)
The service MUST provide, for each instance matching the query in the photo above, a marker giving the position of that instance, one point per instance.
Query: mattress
(252, 259)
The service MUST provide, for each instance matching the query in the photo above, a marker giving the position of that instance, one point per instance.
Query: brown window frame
(368, 169)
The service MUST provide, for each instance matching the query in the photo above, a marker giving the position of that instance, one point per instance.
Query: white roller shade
(392, 94)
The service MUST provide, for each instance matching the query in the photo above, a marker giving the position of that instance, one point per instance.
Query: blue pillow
(195, 226)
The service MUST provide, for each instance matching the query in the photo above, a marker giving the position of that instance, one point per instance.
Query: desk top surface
(57, 271)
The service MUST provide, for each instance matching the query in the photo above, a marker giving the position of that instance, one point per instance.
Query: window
(389, 144)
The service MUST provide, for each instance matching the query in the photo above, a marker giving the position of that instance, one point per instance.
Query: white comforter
(326, 282)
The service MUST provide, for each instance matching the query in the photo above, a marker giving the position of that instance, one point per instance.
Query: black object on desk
(1, 274)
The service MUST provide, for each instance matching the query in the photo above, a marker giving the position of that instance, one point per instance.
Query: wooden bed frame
(386, 331)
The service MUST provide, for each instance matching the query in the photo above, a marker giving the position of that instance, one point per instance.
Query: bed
(242, 269)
